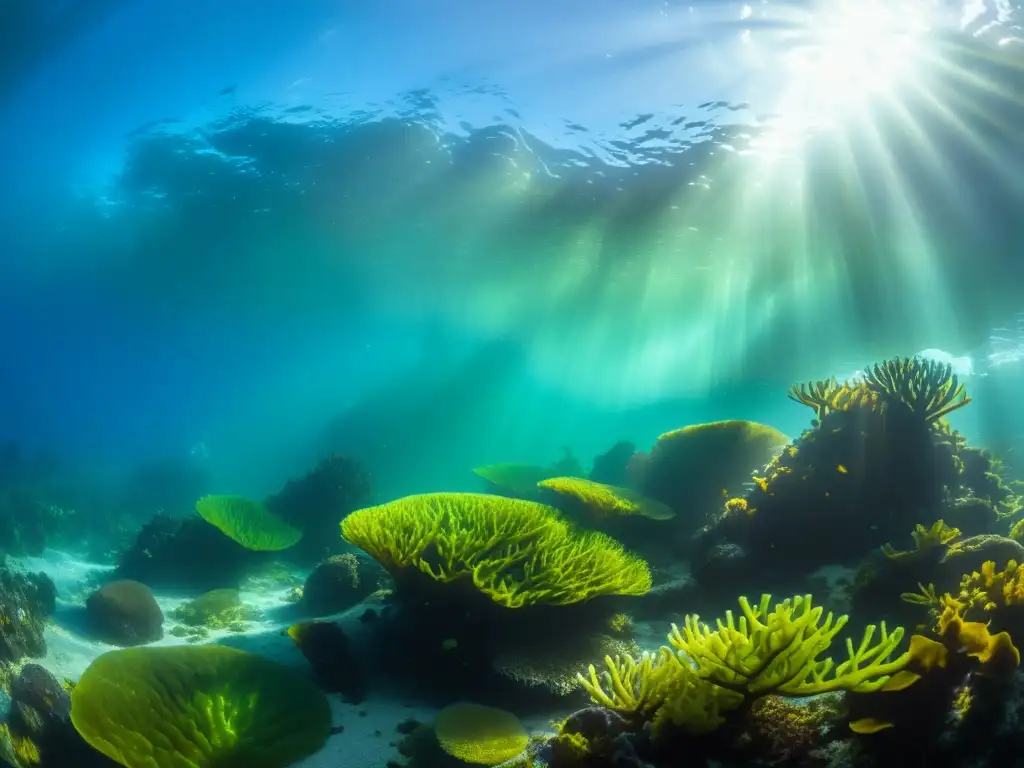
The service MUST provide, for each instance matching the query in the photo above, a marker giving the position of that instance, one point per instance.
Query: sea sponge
(514, 551)
(248, 522)
(602, 500)
(480, 735)
(125, 613)
(198, 707)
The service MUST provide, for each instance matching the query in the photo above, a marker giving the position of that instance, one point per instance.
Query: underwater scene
(438, 383)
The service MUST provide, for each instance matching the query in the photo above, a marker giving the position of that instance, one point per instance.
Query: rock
(125, 613)
(26, 601)
(339, 582)
(186, 554)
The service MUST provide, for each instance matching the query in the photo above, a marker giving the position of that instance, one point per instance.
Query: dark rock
(317, 502)
(329, 652)
(339, 582)
(41, 714)
(612, 466)
(186, 554)
(125, 613)
(26, 601)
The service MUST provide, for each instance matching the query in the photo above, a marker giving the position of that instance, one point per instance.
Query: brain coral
(125, 613)
(198, 707)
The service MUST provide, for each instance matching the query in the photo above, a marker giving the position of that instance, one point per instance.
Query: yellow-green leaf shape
(198, 707)
(248, 522)
(480, 735)
(605, 500)
(520, 479)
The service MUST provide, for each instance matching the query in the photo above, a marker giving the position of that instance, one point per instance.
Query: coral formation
(514, 551)
(125, 613)
(340, 582)
(202, 706)
(26, 602)
(329, 652)
(480, 735)
(248, 522)
(216, 609)
(878, 456)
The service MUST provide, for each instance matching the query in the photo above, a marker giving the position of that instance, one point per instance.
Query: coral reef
(877, 460)
(480, 735)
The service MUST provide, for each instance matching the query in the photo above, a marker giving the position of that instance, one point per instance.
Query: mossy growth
(248, 522)
(216, 609)
(516, 552)
(198, 707)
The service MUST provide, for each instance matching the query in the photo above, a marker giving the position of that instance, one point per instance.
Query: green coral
(706, 672)
(198, 707)
(926, 540)
(248, 522)
(216, 609)
(480, 735)
(514, 551)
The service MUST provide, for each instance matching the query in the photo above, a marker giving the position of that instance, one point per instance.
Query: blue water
(225, 226)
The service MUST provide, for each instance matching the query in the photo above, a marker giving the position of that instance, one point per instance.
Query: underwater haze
(339, 255)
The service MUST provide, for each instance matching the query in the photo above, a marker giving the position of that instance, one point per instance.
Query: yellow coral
(769, 651)
(480, 735)
(925, 540)
(929, 388)
(775, 650)
(604, 500)
(514, 551)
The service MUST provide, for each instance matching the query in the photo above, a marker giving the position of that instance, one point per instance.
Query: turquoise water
(435, 236)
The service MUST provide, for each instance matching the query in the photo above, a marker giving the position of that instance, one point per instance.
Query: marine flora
(216, 609)
(198, 706)
(926, 541)
(516, 552)
(248, 522)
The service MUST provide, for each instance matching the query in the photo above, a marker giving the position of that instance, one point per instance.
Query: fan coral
(248, 522)
(514, 551)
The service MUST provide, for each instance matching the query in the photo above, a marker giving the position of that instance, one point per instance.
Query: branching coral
(514, 551)
(927, 387)
(926, 540)
(704, 673)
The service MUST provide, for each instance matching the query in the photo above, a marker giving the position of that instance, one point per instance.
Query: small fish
(450, 644)
(842, 470)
